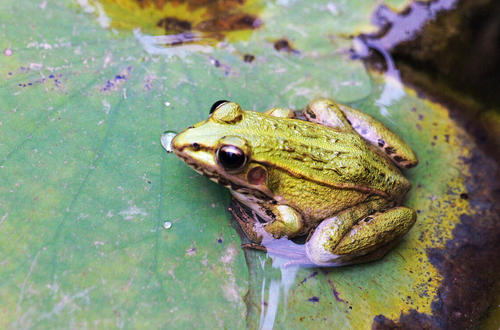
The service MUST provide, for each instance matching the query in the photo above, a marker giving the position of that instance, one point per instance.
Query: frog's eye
(216, 105)
(231, 158)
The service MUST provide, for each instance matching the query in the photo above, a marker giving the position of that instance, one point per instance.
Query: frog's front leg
(281, 220)
(329, 113)
(285, 221)
(367, 240)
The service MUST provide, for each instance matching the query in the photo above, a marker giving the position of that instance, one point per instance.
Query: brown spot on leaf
(206, 21)
(248, 58)
(173, 24)
(229, 23)
(283, 45)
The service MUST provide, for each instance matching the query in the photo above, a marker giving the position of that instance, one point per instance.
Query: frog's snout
(188, 146)
(181, 140)
(176, 145)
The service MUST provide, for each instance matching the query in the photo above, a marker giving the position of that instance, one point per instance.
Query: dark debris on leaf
(313, 299)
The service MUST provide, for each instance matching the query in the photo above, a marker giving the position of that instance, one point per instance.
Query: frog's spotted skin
(330, 176)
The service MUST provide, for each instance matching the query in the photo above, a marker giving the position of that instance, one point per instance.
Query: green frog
(330, 172)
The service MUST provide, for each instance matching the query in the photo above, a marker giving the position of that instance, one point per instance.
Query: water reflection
(277, 287)
(393, 89)
(162, 45)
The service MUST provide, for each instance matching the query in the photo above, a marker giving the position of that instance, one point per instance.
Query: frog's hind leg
(281, 113)
(339, 116)
(381, 137)
(369, 239)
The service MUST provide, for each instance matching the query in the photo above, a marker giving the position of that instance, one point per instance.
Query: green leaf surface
(85, 186)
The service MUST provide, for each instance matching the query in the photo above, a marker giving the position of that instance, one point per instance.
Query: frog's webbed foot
(369, 239)
(329, 113)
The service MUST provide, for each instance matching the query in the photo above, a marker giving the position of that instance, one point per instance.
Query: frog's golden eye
(231, 158)
(217, 104)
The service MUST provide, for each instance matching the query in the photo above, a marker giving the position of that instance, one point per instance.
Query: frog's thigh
(285, 220)
(369, 234)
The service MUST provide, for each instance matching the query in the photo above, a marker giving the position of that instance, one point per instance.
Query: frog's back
(323, 155)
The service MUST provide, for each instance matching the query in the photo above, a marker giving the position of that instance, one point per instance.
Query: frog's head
(218, 149)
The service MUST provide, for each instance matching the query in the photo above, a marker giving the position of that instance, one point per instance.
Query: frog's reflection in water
(277, 287)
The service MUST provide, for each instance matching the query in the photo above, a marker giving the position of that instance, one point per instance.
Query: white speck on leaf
(332, 8)
(106, 106)
(36, 66)
(2, 219)
(204, 261)
(107, 59)
(93, 7)
(229, 255)
(103, 20)
(68, 301)
(230, 290)
(37, 45)
(132, 212)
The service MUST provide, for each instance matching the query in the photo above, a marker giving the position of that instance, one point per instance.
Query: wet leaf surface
(86, 186)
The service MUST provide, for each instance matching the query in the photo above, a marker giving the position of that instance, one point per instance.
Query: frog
(330, 173)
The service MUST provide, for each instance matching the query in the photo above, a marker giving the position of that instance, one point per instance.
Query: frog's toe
(248, 224)
(368, 240)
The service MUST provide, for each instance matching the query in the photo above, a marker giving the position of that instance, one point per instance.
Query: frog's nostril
(196, 146)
